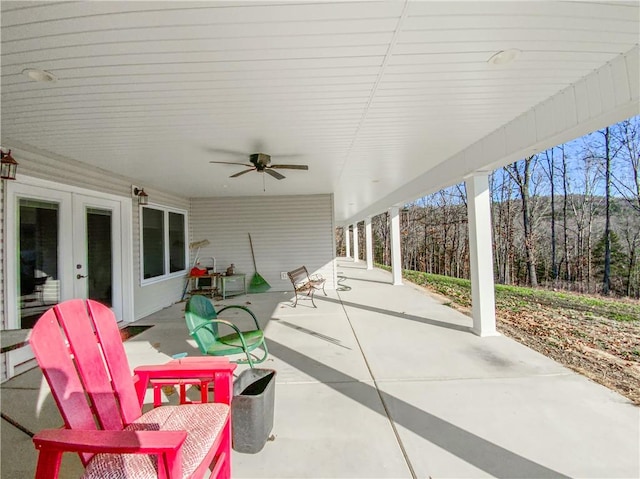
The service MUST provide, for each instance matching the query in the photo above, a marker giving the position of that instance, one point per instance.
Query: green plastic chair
(202, 322)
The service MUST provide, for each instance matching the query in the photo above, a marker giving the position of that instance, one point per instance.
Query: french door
(61, 245)
(97, 257)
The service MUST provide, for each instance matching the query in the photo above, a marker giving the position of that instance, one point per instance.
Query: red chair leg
(48, 464)
(222, 467)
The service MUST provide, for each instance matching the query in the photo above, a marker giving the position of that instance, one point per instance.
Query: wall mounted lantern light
(8, 166)
(143, 198)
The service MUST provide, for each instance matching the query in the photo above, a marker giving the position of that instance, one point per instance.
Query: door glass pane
(38, 243)
(153, 242)
(176, 242)
(99, 256)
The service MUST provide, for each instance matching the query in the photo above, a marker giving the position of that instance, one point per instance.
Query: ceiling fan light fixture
(39, 75)
(504, 56)
(260, 158)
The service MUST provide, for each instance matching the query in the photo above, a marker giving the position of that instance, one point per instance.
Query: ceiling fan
(261, 162)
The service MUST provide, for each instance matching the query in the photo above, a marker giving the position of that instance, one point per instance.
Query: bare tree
(627, 181)
(583, 206)
(606, 280)
(551, 168)
(340, 245)
(604, 149)
(380, 228)
(565, 216)
(520, 171)
(503, 217)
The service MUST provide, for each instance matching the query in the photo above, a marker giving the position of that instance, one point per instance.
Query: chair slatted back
(110, 340)
(199, 311)
(80, 352)
(49, 347)
(298, 276)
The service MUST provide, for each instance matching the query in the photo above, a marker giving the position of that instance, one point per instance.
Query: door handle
(80, 276)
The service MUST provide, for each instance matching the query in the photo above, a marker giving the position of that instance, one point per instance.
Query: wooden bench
(306, 284)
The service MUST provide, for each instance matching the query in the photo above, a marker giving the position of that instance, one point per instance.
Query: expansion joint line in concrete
(16, 424)
(384, 404)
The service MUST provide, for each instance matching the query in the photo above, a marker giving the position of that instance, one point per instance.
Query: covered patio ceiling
(382, 100)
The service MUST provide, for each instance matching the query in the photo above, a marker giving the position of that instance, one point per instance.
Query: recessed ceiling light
(39, 75)
(504, 56)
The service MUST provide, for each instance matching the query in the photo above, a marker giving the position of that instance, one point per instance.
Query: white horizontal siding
(287, 232)
(147, 299)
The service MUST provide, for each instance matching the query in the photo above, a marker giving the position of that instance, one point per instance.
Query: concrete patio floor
(383, 381)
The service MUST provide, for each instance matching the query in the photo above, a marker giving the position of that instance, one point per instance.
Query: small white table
(232, 285)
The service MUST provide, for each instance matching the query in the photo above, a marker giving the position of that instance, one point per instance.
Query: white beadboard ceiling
(370, 95)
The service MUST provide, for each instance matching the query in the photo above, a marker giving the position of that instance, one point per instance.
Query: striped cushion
(203, 423)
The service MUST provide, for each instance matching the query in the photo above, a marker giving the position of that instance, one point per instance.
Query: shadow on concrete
(485, 455)
(315, 334)
(411, 317)
(388, 283)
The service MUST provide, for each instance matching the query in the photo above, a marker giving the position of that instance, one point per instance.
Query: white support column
(356, 253)
(483, 307)
(368, 241)
(347, 240)
(396, 255)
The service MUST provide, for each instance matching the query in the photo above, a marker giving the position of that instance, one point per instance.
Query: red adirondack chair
(78, 347)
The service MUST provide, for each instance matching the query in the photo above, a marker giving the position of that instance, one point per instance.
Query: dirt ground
(605, 350)
(587, 341)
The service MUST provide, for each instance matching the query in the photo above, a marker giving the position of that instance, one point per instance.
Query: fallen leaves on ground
(581, 332)
(605, 350)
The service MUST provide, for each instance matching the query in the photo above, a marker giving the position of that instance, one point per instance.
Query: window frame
(166, 253)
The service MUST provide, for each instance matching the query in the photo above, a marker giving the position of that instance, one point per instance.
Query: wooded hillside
(568, 218)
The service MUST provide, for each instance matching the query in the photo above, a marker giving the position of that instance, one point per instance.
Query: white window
(163, 243)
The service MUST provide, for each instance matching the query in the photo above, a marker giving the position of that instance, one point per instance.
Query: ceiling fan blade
(275, 174)
(231, 163)
(291, 167)
(242, 173)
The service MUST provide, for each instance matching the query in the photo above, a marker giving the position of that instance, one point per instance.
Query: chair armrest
(218, 369)
(52, 443)
(117, 442)
(220, 321)
(185, 368)
(228, 323)
(244, 308)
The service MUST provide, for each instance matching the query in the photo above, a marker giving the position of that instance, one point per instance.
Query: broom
(258, 284)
